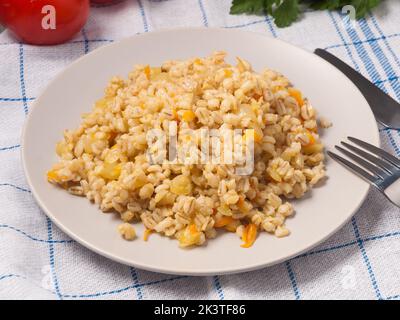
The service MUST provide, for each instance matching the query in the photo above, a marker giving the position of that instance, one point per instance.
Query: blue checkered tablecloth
(361, 261)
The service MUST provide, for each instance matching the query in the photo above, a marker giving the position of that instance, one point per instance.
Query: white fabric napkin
(361, 261)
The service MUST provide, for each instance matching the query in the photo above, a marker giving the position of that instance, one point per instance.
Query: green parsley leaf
(247, 6)
(286, 13)
(363, 6)
(270, 4)
(325, 5)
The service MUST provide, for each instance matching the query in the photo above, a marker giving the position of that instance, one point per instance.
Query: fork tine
(351, 166)
(363, 163)
(376, 151)
(371, 158)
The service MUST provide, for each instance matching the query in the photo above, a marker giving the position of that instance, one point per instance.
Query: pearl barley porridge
(106, 158)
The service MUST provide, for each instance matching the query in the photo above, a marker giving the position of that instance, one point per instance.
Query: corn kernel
(188, 116)
(52, 175)
(277, 88)
(228, 73)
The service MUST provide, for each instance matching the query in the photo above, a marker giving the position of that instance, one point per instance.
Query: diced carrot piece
(311, 138)
(249, 235)
(258, 135)
(297, 95)
(253, 134)
(146, 234)
(242, 205)
(193, 229)
(175, 114)
(147, 71)
(223, 221)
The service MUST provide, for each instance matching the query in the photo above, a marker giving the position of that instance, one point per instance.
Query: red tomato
(44, 22)
(103, 1)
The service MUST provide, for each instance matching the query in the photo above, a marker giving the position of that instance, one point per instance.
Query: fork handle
(393, 192)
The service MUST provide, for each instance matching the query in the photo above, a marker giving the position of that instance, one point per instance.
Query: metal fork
(376, 166)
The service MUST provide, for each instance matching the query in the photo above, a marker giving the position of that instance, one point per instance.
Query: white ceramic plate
(74, 91)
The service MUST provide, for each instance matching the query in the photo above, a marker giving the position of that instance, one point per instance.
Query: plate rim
(153, 268)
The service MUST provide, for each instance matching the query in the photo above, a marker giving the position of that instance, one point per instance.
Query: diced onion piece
(190, 236)
(103, 103)
(231, 227)
(110, 171)
(112, 155)
(181, 185)
(225, 210)
(314, 148)
(139, 180)
(61, 148)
